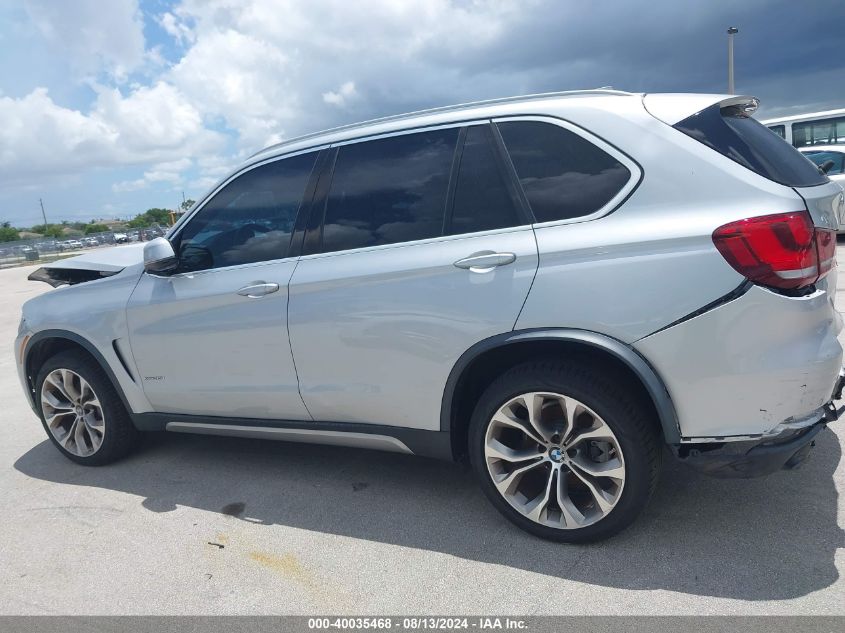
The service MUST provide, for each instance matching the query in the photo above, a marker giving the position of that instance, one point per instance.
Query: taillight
(783, 250)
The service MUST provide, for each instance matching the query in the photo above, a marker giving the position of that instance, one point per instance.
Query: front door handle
(258, 289)
(485, 261)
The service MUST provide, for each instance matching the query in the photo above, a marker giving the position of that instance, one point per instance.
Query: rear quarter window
(562, 174)
(746, 141)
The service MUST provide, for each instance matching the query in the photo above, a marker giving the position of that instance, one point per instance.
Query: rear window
(734, 134)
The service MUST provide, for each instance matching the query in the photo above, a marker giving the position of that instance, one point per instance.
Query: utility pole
(43, 215)
(731, 32)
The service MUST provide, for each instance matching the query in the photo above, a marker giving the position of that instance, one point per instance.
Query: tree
(187, 204)
(48, 230)
(150, 217)
(8, 233)
(93, 227)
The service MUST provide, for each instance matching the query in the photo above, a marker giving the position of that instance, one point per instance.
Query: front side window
(250, 220)
(563, 174)
(389, 190)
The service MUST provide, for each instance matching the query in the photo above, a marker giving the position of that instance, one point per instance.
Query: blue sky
(111, 107)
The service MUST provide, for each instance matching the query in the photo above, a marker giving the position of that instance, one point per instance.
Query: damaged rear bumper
(756, 458)
(745, 460)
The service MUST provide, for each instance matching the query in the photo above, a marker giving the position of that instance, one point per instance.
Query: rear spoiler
(673, 108)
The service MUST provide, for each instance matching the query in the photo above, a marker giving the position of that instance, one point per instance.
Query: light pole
(731, 32)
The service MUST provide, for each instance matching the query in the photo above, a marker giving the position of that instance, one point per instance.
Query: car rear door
(418, 248)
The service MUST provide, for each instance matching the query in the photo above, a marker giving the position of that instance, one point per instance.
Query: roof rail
(439, 110)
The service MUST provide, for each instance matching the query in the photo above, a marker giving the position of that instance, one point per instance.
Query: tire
(105, 433)
(627, 444)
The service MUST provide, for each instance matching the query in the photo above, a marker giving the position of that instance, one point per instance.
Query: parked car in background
(555, 287)
(821, 154)
(90, 241)
(72, 244)
(831, 157)
(813, 128)
(120, 238)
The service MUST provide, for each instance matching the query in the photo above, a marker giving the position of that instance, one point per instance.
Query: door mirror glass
(159, 256)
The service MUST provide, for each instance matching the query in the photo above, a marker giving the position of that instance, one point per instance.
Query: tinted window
(820, 158)
(563, 174)
(389, 190)
(736, 135)
(821, 132)
(250, 220)
(780, 130)
(482, 200)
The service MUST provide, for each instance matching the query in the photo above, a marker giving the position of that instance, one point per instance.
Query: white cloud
(342, 96)
(242, 79)
(92, 35)
(176, 27)
(169, 172)
(279, 68)
(40, 139)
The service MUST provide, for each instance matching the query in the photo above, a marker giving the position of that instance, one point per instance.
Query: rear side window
(780, 130)
(482, 200)
(389, 190)
(563, 174)
(819, 132)
(748, 142)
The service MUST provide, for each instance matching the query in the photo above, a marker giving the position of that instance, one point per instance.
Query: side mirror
(826, 166)
(159, 257)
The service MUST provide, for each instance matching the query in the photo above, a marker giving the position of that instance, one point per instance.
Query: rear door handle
(485, 261)
(258, 289)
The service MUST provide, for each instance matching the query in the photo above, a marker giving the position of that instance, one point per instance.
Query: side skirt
(435, 444)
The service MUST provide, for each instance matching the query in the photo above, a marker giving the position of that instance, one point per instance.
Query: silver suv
(555, 287)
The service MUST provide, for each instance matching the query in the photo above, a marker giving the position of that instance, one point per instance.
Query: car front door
(421, 249)
(212, 338)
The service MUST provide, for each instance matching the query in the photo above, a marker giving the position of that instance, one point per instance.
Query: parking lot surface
(204, 525)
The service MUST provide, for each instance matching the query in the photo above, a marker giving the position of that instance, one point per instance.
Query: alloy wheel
(554, 460)
(72, 412)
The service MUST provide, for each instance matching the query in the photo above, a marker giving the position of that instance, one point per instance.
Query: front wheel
(564, 451)
(81, 411)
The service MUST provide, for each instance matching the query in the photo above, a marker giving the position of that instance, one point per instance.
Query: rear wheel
(564, 451)
(81, 411)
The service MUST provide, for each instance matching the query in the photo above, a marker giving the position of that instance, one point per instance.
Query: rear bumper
(751, 366)
(756, 458)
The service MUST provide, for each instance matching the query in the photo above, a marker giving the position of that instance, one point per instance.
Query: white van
(815, 128)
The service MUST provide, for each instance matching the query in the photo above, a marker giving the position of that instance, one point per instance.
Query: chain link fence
(47, 249)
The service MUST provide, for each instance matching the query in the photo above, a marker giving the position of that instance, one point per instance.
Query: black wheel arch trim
(649, 377)
(84, 343)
